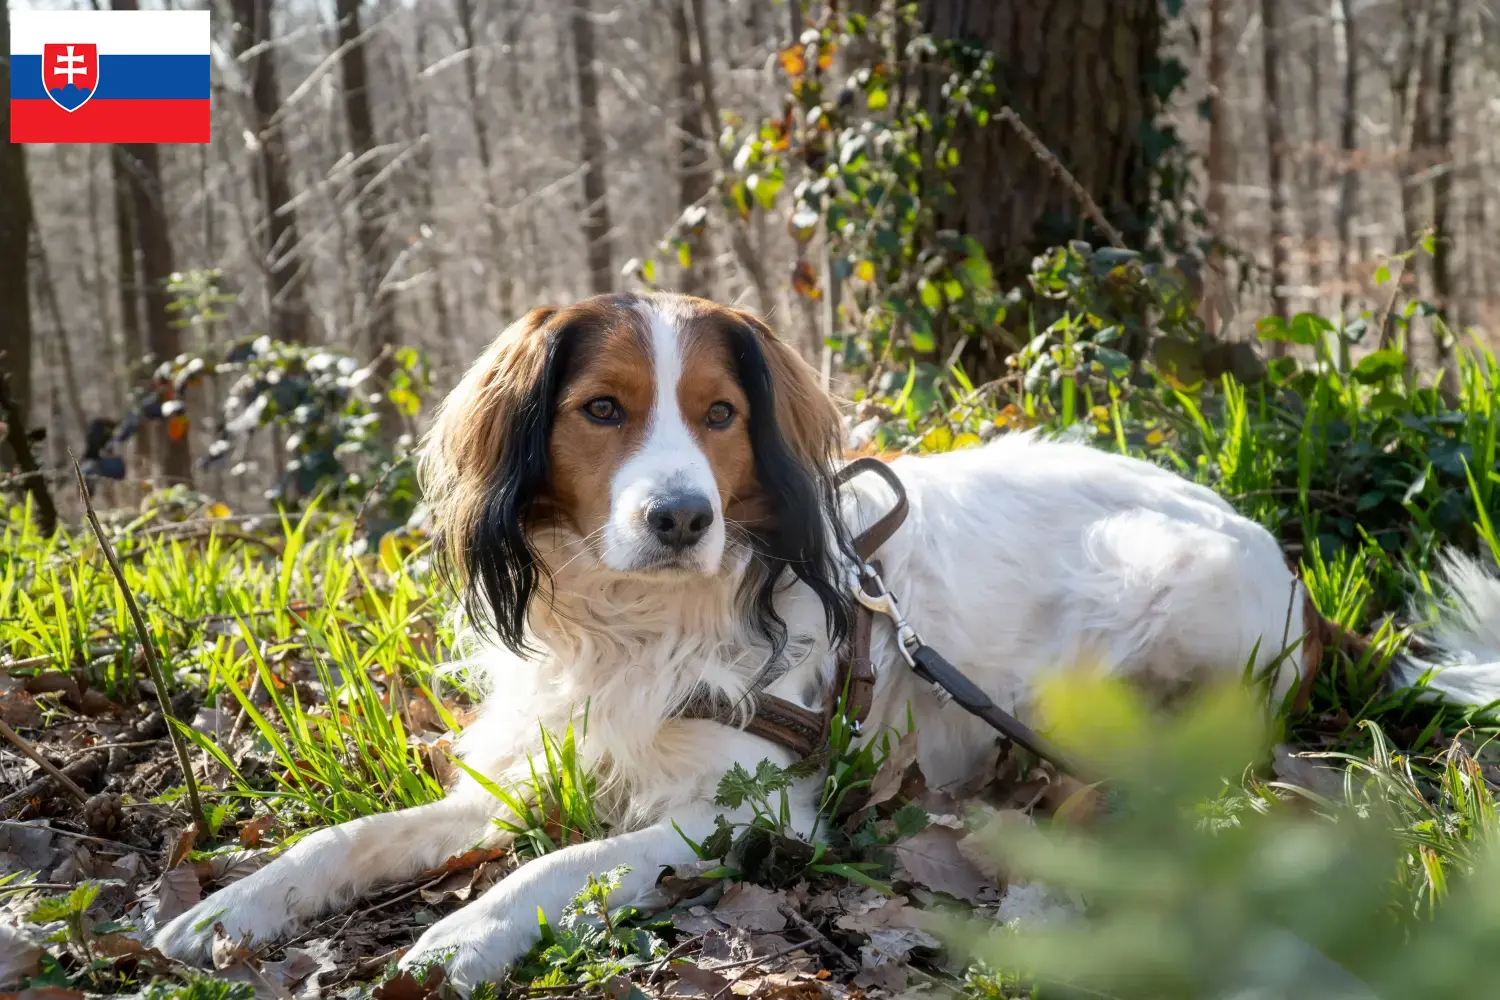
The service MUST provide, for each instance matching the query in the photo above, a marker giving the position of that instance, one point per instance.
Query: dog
(635, 495)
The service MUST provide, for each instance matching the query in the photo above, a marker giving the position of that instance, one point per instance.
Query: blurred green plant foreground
(1201, 887)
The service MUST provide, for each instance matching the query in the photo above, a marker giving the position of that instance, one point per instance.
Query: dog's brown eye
(603, 410)
(720, 414)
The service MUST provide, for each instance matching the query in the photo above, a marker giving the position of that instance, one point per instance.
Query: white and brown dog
(636, 494)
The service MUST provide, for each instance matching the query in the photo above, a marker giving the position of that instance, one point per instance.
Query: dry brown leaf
(46, 993)
(176, 893)
(752, 908)
(117, 946)
(468, 859)
(686, 881)
(56, 682)
(254, 831)
(895, 771)
(20, 957)
(228, 952)
(932, 859)
(182, 846)
(96, 702)
(705, 980)
(404, 986)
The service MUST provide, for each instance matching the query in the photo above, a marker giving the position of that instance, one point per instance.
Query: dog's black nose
(680, 518)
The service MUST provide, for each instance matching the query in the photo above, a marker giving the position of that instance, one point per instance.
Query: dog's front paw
(244, 915)
(473, 947)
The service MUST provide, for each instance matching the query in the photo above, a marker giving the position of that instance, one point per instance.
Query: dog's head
(661, 437)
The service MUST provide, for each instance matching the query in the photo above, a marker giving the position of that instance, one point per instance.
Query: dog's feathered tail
(1463, 663)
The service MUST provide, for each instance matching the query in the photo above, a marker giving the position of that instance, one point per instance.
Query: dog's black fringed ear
(484, 469)
(795, 434)
(502, 568)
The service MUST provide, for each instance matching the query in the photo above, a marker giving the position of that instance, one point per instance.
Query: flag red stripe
(110, 121)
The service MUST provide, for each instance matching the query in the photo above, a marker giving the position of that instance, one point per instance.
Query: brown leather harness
(785, 723)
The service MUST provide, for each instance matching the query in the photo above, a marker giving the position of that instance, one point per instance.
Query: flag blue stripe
(124, 78)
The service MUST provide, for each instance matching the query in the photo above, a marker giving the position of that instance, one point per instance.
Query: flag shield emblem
(70, 73)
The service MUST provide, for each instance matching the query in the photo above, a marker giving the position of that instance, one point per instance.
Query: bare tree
(281, 243)
(142, 166)
(694, 180)
(1442, 186)
(1218, 166)
(1275, 156)
(596, 226)
(498, 266)
(1348, 144)
(15, 238)
(359, 121)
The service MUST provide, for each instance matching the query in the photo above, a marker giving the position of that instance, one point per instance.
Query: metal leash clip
(870, 590)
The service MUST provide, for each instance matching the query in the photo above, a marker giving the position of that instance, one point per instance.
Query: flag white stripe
(115, 32)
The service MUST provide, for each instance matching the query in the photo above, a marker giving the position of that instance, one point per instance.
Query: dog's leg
(330, 867)
(480, 941)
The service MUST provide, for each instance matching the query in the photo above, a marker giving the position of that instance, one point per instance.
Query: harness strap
(786, 723)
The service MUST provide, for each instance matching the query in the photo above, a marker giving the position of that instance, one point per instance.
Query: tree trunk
(15, 239)
(379, 319)
(694, 178)
(1409, 84)
(1313, 168)
(1348, 144)
(287, 312)
(1075, 71)
(143, 171)
(595, 194)
(1275, 158)
(141, 165)
(499, 262)
(1442, 191)
(1216, 202)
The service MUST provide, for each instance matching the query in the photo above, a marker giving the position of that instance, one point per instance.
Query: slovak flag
(109, 76)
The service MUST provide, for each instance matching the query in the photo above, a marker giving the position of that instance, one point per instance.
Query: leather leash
(805, 732)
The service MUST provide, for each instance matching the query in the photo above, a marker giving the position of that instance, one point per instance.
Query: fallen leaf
(686, 881)
(230, 866)
(54, 681)
(932, 859)
(20, 958)
(895, 771)
(182, 846)
(96, 702)
(752, 908)
(252, 832)
(117, 946)
(47, 993)
(706, 981)
(176, 893)
(404, 986)
(469, 859)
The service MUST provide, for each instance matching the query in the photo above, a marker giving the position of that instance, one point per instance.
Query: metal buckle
(883, 602)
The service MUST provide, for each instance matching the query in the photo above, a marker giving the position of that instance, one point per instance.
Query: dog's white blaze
(668, 458)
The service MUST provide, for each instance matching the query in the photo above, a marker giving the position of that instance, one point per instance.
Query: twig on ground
(52, 770)
(1049, 159)
(130, 848)
(807, 928)
(158, 678)
(675, 953)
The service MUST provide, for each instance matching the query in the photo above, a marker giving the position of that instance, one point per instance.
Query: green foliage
(593, 943)
(328, 410)
(1201, 887)
(554, 805)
